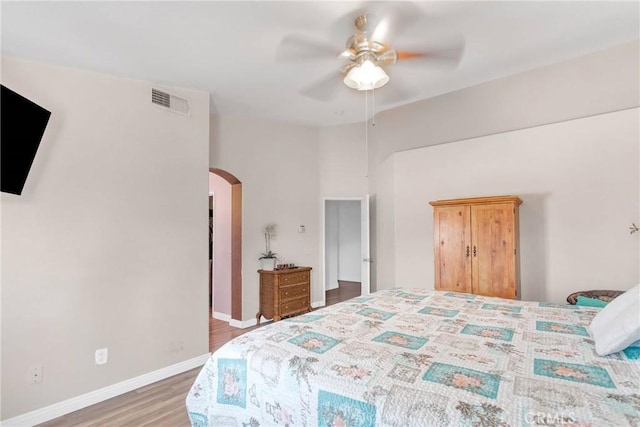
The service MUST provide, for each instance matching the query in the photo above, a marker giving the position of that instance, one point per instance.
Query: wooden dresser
(476, 246)
(284, 292)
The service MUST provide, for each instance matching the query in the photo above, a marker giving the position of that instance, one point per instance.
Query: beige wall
(94, 255)
(277, 164)
(603, 82)
(222, 244)
(349, 244)
(383, 239)
(578, 182)
(592, 84)
(343, 247)
(106, 246)
(342, 161)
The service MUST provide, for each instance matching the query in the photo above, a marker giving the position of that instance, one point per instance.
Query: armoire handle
(468, 251)
(474, 250)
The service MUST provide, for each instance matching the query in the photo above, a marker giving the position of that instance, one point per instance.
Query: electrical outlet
(35, 374)
(102, 355)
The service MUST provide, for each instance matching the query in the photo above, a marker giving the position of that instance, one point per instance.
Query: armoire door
(493, 252)
(452, 237)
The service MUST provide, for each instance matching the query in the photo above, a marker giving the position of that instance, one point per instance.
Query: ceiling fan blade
(410, 55)
(384, 20)
(388, 57)
(342, 28)
(391, 19)
(393, 92)
(325, 88)
(443, 53)
(297, 47)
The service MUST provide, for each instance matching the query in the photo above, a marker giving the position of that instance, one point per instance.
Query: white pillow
(617, 325)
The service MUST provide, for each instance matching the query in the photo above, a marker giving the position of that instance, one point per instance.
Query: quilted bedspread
(409, 357)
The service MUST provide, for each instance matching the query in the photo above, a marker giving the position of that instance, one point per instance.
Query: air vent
(169, 101)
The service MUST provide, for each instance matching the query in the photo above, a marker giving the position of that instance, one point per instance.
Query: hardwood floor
(158, 404)
(161, 404)
(220, 333)
(344, 291)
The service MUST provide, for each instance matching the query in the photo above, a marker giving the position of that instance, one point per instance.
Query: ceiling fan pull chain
(366, 134)
(373, 107)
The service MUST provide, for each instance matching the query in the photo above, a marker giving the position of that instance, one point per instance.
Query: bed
(410, 357)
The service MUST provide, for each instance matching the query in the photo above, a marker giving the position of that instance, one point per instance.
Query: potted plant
(268, 258)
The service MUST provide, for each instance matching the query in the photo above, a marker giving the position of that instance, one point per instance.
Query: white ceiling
(229, 48)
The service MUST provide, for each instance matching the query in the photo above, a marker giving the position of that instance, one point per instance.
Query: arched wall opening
(232, 280)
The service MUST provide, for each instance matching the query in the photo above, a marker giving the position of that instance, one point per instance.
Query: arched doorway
(235, 241)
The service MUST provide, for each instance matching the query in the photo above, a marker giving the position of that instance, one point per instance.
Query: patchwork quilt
(409, 357)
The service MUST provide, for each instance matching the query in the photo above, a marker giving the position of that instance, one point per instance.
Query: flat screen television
(22, 124)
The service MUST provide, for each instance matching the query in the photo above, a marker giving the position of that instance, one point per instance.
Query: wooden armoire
(476, 245)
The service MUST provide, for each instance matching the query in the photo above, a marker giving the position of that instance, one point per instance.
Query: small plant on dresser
(268, 258)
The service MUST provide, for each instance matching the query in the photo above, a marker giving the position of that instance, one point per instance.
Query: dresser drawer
(293, 278)
(294, 291)
(284, 293)
(294, 306)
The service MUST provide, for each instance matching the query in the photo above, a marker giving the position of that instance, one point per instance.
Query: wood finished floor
(161, 404)
(345, 290)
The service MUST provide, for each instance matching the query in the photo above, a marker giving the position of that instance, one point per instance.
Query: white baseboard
(75, 403)
(221, 316)
(242, 324)
(253, 322)
(233, 322)
(248, 323)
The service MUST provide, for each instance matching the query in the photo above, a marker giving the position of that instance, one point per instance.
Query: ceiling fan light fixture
(366, 76)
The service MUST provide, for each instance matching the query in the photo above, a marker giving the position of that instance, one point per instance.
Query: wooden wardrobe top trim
(478, 201)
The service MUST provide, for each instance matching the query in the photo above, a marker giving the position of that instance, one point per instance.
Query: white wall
(343, 247)
(603, 82)
(105, 248)
(222, 244)
(332, 245)
(578, 182)
(349, 249)
(342, 161)
(277, 164)
(592, 84)
(382, 239)
(599, 83)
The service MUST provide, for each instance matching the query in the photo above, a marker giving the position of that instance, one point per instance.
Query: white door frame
(365, 287)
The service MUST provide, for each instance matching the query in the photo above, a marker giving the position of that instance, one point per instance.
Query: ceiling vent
(170, 101)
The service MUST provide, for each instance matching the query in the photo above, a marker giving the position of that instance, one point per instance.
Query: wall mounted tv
(22, 124)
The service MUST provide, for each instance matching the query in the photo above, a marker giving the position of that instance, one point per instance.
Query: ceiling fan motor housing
(369, 50)
(360, 47)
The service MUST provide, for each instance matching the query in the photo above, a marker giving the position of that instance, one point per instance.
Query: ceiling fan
(370, 55)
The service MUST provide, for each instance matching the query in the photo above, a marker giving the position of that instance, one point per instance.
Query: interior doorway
(346, 259)
(226, 248)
